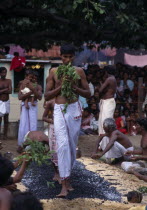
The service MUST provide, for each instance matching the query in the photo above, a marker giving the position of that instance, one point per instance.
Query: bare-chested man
(107, 102)
(5, 90)
(66, 125)
(114, 144)
(28, 118)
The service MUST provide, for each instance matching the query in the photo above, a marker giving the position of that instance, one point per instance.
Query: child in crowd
(86, 122)
(30, 78)
(119, 122)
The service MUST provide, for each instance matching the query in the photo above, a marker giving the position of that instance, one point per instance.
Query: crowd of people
(126, 97)
(108, 108)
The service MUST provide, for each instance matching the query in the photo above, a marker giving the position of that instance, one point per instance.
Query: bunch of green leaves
(35, 151)
(68, 75)
(142, 189)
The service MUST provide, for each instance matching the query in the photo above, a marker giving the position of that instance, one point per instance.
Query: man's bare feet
(68, 186)
(57, 178)
(63, 193)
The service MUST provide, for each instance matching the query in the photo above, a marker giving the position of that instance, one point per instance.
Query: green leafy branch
(35, 151)
(68, 75)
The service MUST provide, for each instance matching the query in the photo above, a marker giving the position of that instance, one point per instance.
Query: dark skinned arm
(45, 114)
(140, 176)
(84, 91)
(50, 92)
(9, 89)
(17, 178)
(94, 154)
(3, 90)
(37, 91)
(135, 152)
(104, 85)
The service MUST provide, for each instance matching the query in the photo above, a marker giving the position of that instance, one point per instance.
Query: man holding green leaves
(65, 84)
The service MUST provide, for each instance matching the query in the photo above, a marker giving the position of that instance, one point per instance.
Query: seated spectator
(93, 108)
(141, 153)
(119, 122)
(126, 115)
(120, 88)
(114, 144)
(6, 170)
(91, 100)
(25, 201)
(131, 122)
(94, 122)
(89, 80)
(10, 184)
(127, 83)
(96, 95)
(86, 122)
(127, 96)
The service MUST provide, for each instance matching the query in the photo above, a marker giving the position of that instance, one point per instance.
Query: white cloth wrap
(28, 121)
(25, 90)
(116, 151)
(107, 108)
(4, 108)
(67, 127)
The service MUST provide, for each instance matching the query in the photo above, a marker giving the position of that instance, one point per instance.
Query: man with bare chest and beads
(67, 112)
(5, 90)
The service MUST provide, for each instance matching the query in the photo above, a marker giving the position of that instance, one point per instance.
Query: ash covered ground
(86, 184)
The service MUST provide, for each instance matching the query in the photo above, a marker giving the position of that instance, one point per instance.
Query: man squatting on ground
(48, 117)
(5, 90)
(28, 117)
(113, 144)
(107, 102)
(67, 125)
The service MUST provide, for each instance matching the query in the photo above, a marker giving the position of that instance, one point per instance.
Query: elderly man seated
(113, 143)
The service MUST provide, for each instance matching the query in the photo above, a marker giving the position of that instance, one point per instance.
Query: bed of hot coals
(86, 184)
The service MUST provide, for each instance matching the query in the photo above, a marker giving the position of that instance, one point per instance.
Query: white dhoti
(67, 127)
(4, 108)
(116, 151)
(28, 121)
(107, 108)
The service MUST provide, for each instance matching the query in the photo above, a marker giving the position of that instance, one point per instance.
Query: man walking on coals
(65, 84)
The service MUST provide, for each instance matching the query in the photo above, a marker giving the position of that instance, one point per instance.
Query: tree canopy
(38, 23)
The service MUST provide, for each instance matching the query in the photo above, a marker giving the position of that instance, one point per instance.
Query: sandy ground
(122, 181)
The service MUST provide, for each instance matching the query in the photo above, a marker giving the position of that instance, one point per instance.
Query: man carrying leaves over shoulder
(65, 84)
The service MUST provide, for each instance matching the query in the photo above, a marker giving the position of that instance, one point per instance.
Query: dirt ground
(119, 179)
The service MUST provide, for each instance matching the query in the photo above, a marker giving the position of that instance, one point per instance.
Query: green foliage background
(39, 23)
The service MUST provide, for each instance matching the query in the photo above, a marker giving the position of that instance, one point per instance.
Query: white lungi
(107, 108)
(4, 108)
(116, 151)
(28, 121)
(67, 127)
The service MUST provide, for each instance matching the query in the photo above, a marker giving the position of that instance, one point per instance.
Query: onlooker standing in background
(5, 90)
(107, 102)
